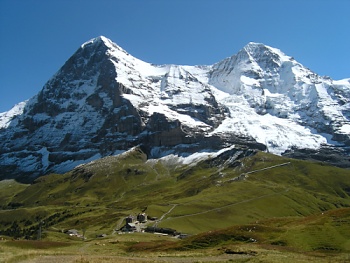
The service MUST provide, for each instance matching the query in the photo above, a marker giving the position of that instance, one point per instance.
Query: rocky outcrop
(337, 156)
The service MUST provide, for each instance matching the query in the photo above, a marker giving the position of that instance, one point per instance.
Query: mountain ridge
(104, 101)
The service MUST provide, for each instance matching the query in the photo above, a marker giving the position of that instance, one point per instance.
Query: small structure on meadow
(129, 219)
(129, 227)
(168, 231)
(74, 233)
(142, 217)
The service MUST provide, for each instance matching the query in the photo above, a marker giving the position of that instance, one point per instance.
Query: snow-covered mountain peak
(251, 61)
(266, 57)
(255, 49)
(99, 40)
(92, 41)
(104, 101)
(106, 46)
(261, 50)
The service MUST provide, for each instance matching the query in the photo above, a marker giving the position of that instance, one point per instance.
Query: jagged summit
(102, 40)
(104, 46)
(104, 101)
(261, 50)
(257, 49)
(96, 40)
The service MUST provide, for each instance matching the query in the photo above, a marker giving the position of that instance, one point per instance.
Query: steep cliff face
(70, 117)
(103, 101)
(100, 103)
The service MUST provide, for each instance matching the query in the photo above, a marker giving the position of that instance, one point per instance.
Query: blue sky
(38, 36)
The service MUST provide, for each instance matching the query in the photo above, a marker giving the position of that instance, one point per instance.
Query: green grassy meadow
(262, 208)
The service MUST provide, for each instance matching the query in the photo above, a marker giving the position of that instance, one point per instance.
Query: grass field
(263, 208)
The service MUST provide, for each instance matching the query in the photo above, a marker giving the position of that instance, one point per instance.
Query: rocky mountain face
(103, 102)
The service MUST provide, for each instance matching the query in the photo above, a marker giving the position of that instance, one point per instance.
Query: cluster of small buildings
(137, 224)
(74, 233)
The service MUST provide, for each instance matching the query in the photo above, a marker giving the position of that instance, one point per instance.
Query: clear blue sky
(38, 36)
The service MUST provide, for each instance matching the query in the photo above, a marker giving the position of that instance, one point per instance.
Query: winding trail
(162, 217)
(267, 168)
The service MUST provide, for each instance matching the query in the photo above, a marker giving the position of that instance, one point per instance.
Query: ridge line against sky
(39, 36)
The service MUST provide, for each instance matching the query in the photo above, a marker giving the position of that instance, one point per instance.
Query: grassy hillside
(8, 189)
(285, 203)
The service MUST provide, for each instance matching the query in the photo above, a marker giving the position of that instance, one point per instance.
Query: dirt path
(162, 217)
(267, 168)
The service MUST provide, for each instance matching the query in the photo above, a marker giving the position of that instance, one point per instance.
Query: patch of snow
(345, 129)
(191, 159)
(276, 133)
(249, 81)
(71, 164)
(7, 116)
(342, 82)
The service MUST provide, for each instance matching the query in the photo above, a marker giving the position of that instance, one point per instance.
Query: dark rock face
(66, 121)
(337, 156)
(81, 114)
(162, 132)
(211, 114)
